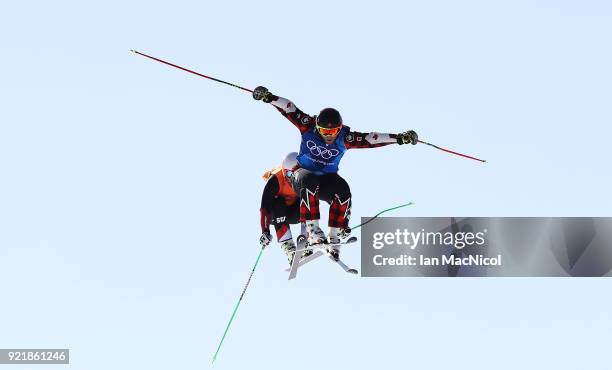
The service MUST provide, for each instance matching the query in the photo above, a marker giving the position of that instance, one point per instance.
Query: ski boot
(302, 240)
(288, 246)
(344, 233)
(315, 234)
(336, 235)
(333, 239)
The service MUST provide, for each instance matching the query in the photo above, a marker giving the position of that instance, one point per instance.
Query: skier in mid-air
(324, 141)
(280, 208)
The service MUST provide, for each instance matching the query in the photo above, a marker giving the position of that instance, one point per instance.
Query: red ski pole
(249, 90)
(450, 151)
(190, 71)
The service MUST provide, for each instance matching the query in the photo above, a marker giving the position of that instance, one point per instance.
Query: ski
(299, 262)
(350, 240)
(318, 253)
(338, 261)
(301, 247)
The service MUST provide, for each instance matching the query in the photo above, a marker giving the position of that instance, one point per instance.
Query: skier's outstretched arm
(357, 140)
(286, 107)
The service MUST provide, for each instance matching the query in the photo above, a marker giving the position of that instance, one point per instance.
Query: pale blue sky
(130, 191)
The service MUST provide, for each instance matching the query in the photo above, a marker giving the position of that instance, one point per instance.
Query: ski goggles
(289, 172)
(328, 131)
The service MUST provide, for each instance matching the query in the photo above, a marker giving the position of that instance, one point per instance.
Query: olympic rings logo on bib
(320, 151)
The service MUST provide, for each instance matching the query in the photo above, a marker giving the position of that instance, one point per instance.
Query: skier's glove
(408, 137)
(261, 93)
(265, 239)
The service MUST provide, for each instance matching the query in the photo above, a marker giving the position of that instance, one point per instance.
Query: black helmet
(329, 118)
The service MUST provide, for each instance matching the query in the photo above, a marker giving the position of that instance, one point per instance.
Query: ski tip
(133, 51)
(353, 271)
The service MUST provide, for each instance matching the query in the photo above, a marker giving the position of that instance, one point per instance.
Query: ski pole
(380, 213)
(190, 71)
(237, 304)
(450, 151)
(255, 266)
(249, 90)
